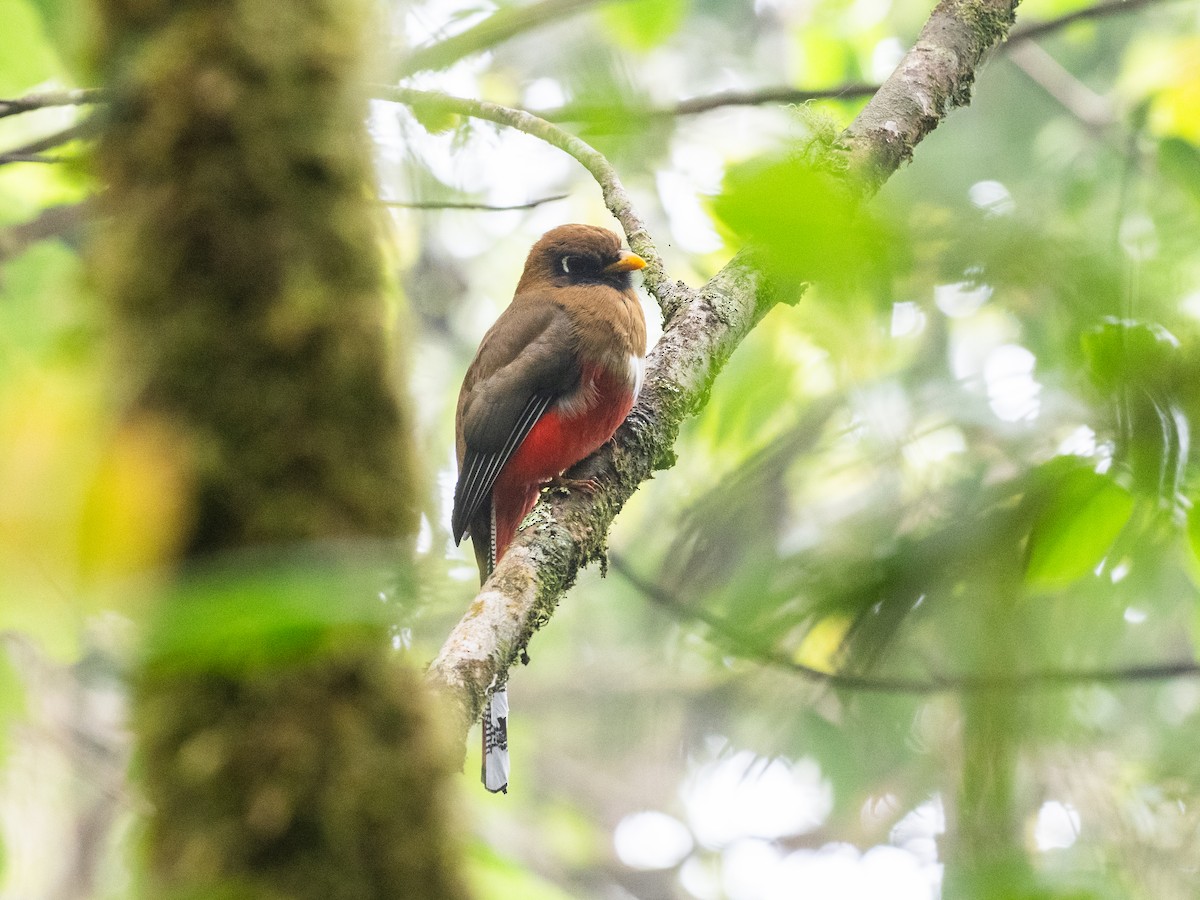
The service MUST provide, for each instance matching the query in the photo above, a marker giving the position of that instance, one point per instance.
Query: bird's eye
(565, 264)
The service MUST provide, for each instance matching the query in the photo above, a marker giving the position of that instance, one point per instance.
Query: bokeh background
(916, 604)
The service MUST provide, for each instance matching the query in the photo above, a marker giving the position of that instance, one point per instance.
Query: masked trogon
(550, 383)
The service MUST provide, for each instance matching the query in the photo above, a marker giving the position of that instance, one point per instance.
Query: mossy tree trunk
(283, 753)
(985, 853)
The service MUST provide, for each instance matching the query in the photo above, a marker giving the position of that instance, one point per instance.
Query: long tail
(495, 714)
(495, 742)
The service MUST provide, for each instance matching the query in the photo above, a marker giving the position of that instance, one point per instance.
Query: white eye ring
(566, 266)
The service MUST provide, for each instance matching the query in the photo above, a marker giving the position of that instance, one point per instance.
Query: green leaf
(643, 24)
(492, 877)
(67, 25)
(40, 312)
(1080, 517)
(1126, 351)
(801, 220)
(823, 56)
(266, 609)
(1193, 530)
(1180, 160)
(26, 55)
(434, 118)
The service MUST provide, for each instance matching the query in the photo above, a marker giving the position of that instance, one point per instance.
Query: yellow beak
(628, 262)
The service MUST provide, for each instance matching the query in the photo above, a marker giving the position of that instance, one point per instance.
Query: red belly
(554, 444)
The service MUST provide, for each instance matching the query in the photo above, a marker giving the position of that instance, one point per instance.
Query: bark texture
(284, 753)
(935, 76)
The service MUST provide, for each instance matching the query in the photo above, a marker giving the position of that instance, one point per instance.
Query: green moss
(989, 22)
(331, 784)
(821, 146)
(242, 259)
(988, 25)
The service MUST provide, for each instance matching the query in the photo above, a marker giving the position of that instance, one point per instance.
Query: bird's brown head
(578, 255)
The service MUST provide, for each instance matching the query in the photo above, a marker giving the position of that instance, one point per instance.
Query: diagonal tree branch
(934, 76)
(564, 533)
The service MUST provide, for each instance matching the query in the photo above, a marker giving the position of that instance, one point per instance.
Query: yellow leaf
(1166, 71)
(820, 647)
(138, 505)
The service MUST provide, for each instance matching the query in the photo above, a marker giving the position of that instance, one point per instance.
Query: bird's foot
(586, 485)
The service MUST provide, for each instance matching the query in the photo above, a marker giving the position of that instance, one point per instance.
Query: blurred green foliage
(804, 223)
(965, 454)
(643, 24)
(1079, 515)
(493, 877)
(266, 610)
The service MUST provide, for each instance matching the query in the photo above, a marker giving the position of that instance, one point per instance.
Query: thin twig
(759, 651)
(1098, 11)
(1093, 111)
(29, 102)
(850, 91)
(508, 22)
(482, 207)
(34, 150)
(56, 221)
(615, 196)
(18, 157)
(722, 100)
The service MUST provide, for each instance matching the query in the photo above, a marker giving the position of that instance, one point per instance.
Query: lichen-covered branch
(565, 532)
(934, 77)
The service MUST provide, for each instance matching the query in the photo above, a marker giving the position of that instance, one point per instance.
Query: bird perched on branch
(550, 383)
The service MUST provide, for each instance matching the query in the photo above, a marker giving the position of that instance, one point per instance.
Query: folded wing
(524, 364)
